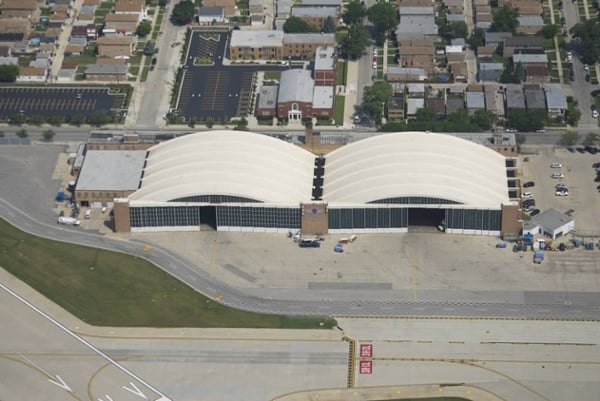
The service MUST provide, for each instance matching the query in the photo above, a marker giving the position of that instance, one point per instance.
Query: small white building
(550, 222)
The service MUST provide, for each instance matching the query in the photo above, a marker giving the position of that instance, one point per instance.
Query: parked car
(556, 165)
(558, 176)
(529, 184)
(595, 114)
(62, 213)
(560, 186)
(309, 243)
(562, 193)
(339, 248)
(534, 212)
(527, 195)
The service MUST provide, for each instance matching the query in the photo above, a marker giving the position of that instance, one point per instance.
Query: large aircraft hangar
(240, 181)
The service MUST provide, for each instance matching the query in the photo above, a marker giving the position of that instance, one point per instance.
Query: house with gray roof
(475, 101)
(454, 104)
(284, 9)
(413, 104)
(556, 101)
(295, 97)
(455, 18)
(496, 38)
(335, 3)
(322, 103)
(106, 72)
(514, 97)
(416, 27)
(534, 99)
(494, 100)
(415, 11)
(521, 42)
(553, 223)
(490, 71)
(206, 15)
(315, 16)
(530, 58)
(530, 24)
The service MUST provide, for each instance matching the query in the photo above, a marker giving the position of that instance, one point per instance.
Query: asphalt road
(27, 170)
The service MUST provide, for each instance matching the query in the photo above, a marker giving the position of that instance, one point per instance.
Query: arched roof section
(234, 163)
(416, 164)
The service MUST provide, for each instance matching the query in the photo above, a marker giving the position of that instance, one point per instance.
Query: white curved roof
(235, 163)
(416, 164)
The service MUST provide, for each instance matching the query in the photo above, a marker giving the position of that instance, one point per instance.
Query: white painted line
(62, 384)
(135, 390)
(81, 340)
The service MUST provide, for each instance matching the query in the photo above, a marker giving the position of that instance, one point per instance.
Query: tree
(48, 135)
(355, 13)
(36, 120)
(591, 138)
(183, 12)
(454, 30)
(100, 117)
(355, 43)
(572, 115)
(329, 26)
(144, 28)
(384, 17)
(297, 25)
(589, 33)
(209, 122)
(375, 97)
(241, 124)
(477, 38)
(22, 133)
(569, 138)
(16, 118)
(9, 72)
(55, 120)
(505, 19)
(549, 31)
(521, 139)
(484, 119)
(76, 119)
(527, 120)
(519, 75)
(149, 48)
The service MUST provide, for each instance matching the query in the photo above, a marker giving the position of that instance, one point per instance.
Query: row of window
(215, 199)
(474, 219)
(416, 200)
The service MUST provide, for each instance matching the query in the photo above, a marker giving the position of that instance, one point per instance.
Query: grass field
(338, 110)
(112, 289)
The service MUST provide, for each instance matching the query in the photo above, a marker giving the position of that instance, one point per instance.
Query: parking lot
(210, 88)
(62, 101)
(579, 175)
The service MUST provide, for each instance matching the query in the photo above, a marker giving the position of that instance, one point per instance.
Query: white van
(88, 214)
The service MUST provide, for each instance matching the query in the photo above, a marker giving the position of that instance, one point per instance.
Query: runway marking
(82, 341)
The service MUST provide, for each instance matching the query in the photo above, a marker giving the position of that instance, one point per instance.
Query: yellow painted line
(219, 297)
(147, 248)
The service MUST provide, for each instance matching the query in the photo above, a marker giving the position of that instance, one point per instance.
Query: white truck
(71, 221)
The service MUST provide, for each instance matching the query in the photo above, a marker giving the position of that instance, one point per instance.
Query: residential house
(60, 12)
(534, 98)
(315, 16)
(459, 71)
(257, 20)
(515, 100)
(132, 7)
(79, 30)
(304, 45)
(325, 64)
(415, 89)
(405, 11)
(323, 102)
(485, 52)
(490, 71)
(521, 42)
(8, 60)
(284, 9)
(92, 32)
(450, 18)
(530, 57)
(437, 104)
(494, 100)
(416, 27)
(496, 38)
(14, 30)
(396, 107)
(256, 45)
(556, 102)
(537, 74)
(120, 24)
(106, 72)
(454, 104)
(32, 74)
(74, 50)
(334, 3)
(295, 97)
(256, 7)
(267, 101)
(414, 3)
(67, 72)
(116, 46)
(530, 24)
(208, 15)
(454, 6)
(229, 6)
(453, 58)
(18, 8)
(475, 101)
(401, 74)
(413, 104)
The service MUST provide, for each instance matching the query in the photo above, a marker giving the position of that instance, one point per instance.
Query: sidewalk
(351, 89)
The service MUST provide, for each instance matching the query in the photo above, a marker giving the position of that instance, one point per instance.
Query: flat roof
(314, 11)
(555, 96)
(256, 38)
(325, 58)
(267, 97)
(295, 85)
(118, 170)
(552, 219)
(323, 97)
(325, 38)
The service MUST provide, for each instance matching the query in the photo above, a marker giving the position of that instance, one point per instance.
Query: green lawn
(272, 75)
(338, 111)
(340, 73)
(112, 289)
(81, 60)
